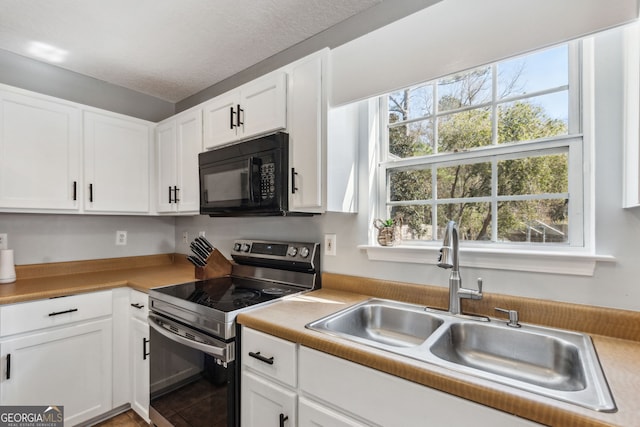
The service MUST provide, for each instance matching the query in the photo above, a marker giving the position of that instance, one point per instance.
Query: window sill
(557, 262)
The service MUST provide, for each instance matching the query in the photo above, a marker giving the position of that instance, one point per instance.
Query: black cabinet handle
(175, 194)
(238, 119)
(293, 181)
(283, 418)
(75, 190)
(145, 353)
(231, 123)
(268, 361)
(136, 305)
(169, 194)
(55, 313)
(91, 193)
(9, 366)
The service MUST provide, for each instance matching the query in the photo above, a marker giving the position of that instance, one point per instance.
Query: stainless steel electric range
(194, 338)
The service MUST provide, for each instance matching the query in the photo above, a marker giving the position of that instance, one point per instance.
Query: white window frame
(577, 259)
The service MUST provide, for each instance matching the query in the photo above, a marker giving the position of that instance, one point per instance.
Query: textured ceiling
(169, 49)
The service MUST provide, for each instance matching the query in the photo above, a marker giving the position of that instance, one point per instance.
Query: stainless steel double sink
(559, 364)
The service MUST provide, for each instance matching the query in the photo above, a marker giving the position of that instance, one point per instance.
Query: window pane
(416, 221)
(464, 89)
(409, 104)
(539, 71)
(474, 220)
(409, 185)
(471, 180)
(410, 140)
(534, 175)
(541, 221)
(533, 118)
(464, 131)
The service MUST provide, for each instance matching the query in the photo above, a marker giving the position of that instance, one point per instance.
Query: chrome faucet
(449, 259)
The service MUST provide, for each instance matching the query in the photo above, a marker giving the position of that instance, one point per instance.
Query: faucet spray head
(445, 260)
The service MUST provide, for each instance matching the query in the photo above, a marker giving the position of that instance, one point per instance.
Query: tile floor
(198, 404)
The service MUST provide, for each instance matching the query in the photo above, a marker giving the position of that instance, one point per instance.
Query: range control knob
(245, 247)
(236, 247)
(293, 251)
(304, 252)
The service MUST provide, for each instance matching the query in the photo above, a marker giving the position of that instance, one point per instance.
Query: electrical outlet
(121, 238)
(185, 237)
(201, 234)
(330, 244)
(3, 241)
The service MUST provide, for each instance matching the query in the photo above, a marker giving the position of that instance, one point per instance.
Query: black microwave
(246, 179)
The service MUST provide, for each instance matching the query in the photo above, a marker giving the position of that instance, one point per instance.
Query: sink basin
(555, 363)
(542, 360)
(381, 322)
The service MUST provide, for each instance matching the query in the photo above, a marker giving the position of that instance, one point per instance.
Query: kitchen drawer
(139, 304)
(31, 316)
(271, 356)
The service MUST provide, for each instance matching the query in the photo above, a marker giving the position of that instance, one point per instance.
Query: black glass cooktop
(228, 294)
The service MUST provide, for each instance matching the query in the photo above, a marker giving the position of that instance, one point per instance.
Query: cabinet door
(311, 414)
(69, 366)
(264, 404)
(40, 153)
(166, 166)
(140, 367)
(263, 104)
(219, 122)
(306, 133)
(189, 145)
(387, 400)
(116, 164)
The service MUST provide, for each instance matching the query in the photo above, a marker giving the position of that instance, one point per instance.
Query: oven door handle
(220, 352)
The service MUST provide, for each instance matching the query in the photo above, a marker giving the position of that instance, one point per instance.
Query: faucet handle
(480, 285)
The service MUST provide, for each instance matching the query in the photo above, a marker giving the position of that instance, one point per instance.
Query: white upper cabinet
(40, 153)
(116, 160)
(256, 108)
(178, 143)
(307, 134)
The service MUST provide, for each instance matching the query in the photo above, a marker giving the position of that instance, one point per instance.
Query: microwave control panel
(268, 181)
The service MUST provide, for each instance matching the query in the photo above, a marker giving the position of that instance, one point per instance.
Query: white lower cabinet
(312, 414)
(332, 392)
(266, 404)
(69, 366)
(140, 367)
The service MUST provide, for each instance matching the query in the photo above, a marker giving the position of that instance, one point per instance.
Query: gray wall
(41, 238)
(25, 73)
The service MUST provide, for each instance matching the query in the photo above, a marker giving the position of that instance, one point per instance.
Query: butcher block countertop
(39, 281)
(615, 333)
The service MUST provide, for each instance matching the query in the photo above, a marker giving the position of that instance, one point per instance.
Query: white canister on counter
(7, 268)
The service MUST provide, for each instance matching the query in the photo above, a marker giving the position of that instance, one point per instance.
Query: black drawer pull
(136, 305)
(261, 358)
(9, 366)
(75, 190)
(145, 353)
(283, 418)
(62, 312)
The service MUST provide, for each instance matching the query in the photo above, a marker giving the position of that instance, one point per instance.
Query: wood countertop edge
(538, 409)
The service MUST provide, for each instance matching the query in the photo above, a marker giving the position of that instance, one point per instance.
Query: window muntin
(494, 153)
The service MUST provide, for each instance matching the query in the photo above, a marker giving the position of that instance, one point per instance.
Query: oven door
(192, 377)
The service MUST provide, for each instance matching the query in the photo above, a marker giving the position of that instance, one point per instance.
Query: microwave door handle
(253, 161)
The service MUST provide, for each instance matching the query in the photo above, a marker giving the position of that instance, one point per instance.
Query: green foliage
(469, 130)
